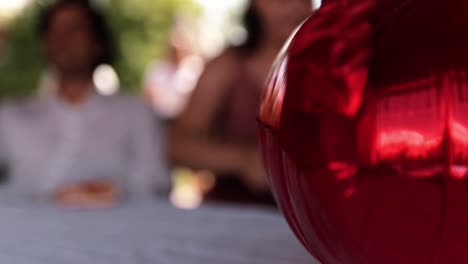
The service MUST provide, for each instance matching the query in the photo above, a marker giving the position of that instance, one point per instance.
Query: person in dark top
(218, 131)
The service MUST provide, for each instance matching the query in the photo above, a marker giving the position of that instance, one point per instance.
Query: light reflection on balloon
(364, 132)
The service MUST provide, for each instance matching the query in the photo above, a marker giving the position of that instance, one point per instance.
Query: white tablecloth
(146, 232)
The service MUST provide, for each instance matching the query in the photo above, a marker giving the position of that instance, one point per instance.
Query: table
(146, 232)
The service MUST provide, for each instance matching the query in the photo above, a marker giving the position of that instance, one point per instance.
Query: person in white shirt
(169, 82)
(74, 145)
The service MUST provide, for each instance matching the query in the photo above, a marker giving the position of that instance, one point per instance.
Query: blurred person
(169, 82)
(47, 83)
(218, 130)
(72, 144)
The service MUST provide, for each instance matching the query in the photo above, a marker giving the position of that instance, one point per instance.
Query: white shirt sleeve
(5, 166)
(4, 108)
(148, 167)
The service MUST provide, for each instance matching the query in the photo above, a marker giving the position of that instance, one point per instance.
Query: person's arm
(191, 143)
(148, 171)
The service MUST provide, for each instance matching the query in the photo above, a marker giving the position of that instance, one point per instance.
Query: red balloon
(364, 132)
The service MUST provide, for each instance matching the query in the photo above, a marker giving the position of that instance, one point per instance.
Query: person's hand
(253, 174)
(88, 194)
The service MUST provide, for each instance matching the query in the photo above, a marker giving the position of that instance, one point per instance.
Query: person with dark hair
(100, 32)
(74, 145)
(217, 131)
(97, 24)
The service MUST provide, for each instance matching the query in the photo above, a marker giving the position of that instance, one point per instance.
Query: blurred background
(150, 35)
(144, 29)
(141, 27)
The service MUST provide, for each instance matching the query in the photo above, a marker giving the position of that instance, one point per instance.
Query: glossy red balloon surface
(364, 132)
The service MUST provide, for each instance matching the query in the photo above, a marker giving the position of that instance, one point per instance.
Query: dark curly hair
(100, 28)
(252, 23)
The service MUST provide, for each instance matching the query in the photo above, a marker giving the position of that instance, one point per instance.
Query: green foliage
(22, 61)
(140, 27)
(143, 27)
